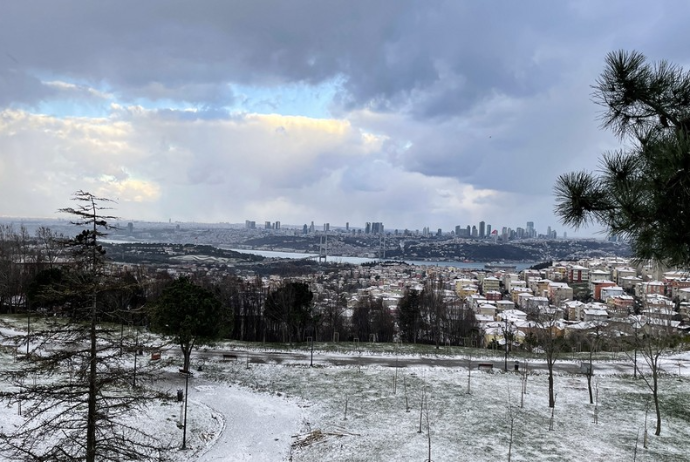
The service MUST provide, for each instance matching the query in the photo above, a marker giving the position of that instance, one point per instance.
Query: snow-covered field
(290, 411)
(473, 426)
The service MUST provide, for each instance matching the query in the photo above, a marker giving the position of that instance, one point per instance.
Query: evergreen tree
(642, 192)
(288, 309)
(191, 315)
(409, 316)
(77, 390)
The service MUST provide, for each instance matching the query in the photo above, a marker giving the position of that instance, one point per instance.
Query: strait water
(359, 260)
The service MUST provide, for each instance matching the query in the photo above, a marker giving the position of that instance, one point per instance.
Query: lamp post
(136, 352)
(505, 337)
(636, 328)
(311, 340)
(28, 330)
(184, 425)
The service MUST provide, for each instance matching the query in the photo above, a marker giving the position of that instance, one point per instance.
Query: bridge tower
(323, 248)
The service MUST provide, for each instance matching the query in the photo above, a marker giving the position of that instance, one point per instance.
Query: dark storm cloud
(431, 59)
(19, 88)
(443, 57)
(466, 101)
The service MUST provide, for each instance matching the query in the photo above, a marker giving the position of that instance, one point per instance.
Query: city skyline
(484, 230)
(416, 115)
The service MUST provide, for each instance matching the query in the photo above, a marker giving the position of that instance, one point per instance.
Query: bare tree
(77, 391)
(434, 309)
(550, 337)
(594, 340)
(658, 339)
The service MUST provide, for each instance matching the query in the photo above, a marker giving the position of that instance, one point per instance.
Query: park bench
(485, 367)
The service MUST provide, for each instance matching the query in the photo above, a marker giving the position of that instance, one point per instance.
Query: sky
(415, 114)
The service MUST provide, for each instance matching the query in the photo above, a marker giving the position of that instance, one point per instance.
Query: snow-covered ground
(286, 410)
(256, 427)
(475, 426)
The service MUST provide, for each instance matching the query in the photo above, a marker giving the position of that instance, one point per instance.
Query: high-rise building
(482, 229)
(311, 228)
(326, 227)
(530, 229)
(377, 227)
(248, 224)
(347, 226)
(305, 229)
(267, 225)
(488, 230)
(475, 231)
(367, 227)
(277, 226)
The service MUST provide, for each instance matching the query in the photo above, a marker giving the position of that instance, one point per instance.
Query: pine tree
(191, 315)
(642, 192)
(77, 390)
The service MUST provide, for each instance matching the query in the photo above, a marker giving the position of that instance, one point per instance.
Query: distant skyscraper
(475, 232)
(367, 228)
(326, 227)
(277, 226)
(488, 230)
(305, 229)
(311, 227)
(347, 226)
(530, 229)
(482, 229)
(377, 227)
(267, 225)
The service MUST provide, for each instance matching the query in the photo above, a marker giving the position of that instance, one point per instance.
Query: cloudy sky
(412, 113)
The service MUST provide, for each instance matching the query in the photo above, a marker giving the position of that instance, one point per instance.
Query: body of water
(359, 260)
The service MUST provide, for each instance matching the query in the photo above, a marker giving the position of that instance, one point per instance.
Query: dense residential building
(621, 306)
(578, 274)
(559, 292)
(597, 287)
(490, 283)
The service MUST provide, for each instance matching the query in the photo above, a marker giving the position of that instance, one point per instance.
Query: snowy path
(258, 427)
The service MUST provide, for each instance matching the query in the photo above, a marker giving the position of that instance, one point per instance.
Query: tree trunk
(91, 419)
(589, 384)
(187, 353)
(552, 401)
(655, 394)
(589, 375)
